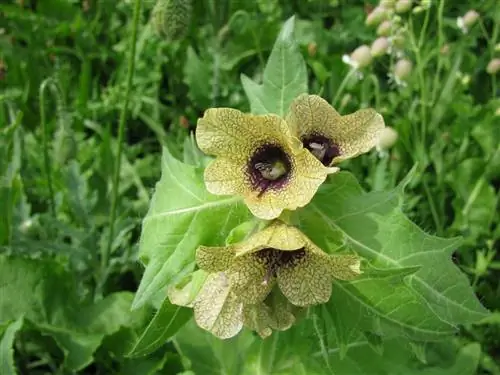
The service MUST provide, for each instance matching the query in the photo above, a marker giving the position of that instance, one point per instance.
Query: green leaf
(46, 295)
(424, 305)
(10, 181)
(7, 365)
(284, 78)
(197, 75)
(210, 355)
(297, 351)
(182, 215)
(166, 322)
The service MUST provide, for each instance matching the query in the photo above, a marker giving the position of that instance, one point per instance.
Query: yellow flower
(234, 286)
(258, 158)
(280, 254)
(329, 136)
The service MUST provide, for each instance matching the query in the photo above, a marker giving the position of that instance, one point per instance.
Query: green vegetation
(98, 103)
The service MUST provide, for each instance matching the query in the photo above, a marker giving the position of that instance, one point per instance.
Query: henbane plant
(270, 234)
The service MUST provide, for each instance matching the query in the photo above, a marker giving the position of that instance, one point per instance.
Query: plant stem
(435, 215)
(121, 133)
(341, 88)
(45, 146)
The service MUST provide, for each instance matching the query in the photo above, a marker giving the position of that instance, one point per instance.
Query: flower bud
(465, 79)
(376, 16)
(387, 4)
(425, 4)
(384, 29)
(497, 47)
(470, 18)
(380, 46)
(361, 56)
(403, 6)
(398, 40)
(497, 112)
(403, 69)
(312, 48)
(445, 49)
(171, 18)
(493, 66)
(387, 138)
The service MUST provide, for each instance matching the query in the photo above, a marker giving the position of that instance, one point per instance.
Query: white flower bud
(387, 4)
(403, 69)
(384, 29)
(361, 56)
(470, 18)
(493, 66)
(403, 6)
(376, 16)
(380, 46)
(387, 138)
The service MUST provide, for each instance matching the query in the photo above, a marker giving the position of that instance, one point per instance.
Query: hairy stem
(45, 145)
(121, 133)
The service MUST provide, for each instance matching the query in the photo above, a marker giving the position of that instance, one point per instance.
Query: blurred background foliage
(63, 67)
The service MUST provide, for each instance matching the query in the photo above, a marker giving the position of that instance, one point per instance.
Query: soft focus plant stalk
(121, 134)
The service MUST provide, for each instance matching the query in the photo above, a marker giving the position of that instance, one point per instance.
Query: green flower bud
(497, 112)
(403, 69)
(384, 29)
(171, 18)
(380, 47)
(403, 6)
(376, 16)
(493, 66)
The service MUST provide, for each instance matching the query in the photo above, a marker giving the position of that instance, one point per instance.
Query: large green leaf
(424, 305)
(298, 351)
(182, 215)
(46, 295)
(7, 365)
(284, 78)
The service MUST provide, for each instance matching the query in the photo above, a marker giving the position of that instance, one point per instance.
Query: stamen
(317, 149)
(322, 148)
(271, 170)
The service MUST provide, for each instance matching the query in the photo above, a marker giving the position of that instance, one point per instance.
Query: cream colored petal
(249, 280)
(218, 132)
(305, 178)
(277, 235)
(216, 309)
(225, 176)
(358, 133)
(229, 132)
(353, 134)
(184, 295)
(345, 267)
(308, 114)
(258, 318)
(283, 313)
(308, 281)
(214, 259)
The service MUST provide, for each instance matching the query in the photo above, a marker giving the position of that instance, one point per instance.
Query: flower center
(269, 167)
(322, 148)
(275, 259)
